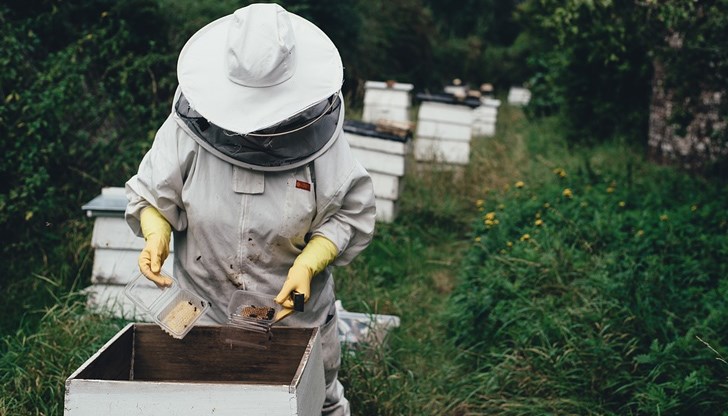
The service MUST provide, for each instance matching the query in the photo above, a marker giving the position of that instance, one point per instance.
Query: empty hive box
(143, 371)
(384, 156)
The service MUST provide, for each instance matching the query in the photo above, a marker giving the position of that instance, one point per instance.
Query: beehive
(485, 117)
(386, 101)
(143, 371)
(116, 252)
(519, 96)
(384, 156)
(444, 129)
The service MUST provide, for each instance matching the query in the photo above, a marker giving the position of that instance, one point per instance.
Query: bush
(594, 292)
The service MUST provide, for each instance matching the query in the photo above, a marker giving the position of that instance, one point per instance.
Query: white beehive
(384, 156)
(143, 371)
(519, 96)
(485, 117)
(444, 129)
(116, 253)
(386, 101)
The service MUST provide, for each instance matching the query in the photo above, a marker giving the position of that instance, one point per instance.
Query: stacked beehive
(384, 155)
(116, 250)
(386, 101)
(444, 128)
(485, 116)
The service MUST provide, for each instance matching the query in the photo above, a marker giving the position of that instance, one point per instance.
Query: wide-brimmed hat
(260, 65)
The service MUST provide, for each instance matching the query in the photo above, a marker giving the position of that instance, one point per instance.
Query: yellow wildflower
(567, 193)
(28, 215)
(489, 223)
(479, 203)
(490, 216)
(640, 233)
(538, 215)
(538, 222)
(693, 208)
(525, 237)
(509, 244)
(520, 184)
(547, 205)
(664, 217)
(477, 239)
(560, 172)
(622, 204)
(610, 190)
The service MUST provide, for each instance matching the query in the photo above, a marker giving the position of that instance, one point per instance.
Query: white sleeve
(346, 215)
(160, 178)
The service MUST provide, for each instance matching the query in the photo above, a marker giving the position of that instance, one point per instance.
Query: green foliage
(37, 363)
(589, 292)
(80, 107)
(592, 61)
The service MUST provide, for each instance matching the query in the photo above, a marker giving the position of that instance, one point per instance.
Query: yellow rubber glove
(318, 253)
(157, 233)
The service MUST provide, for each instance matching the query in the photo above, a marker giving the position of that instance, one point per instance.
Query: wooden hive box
(519, 96)
(485, 117)
(444, 129)
(116, 250)
(386, 101)
(384, 156)
(143, 371)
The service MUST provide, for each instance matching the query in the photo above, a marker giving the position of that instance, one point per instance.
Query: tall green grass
(606, 308)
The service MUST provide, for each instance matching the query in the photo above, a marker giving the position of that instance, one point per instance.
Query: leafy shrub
(599, 292)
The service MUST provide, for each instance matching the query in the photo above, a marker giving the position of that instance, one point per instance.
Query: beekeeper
(253, 174)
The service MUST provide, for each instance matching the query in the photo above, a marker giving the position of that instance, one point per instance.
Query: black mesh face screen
(292, 140)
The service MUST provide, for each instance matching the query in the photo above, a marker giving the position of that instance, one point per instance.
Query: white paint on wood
(378, 144)
(446, 151)
(397, 86)
(380, 162)
(111, 300)
(519, 96)
(386, 210)
(87, 397)
(117, 266)
(484, 129)
(443, 130)
(383, 102)
(448, 113)
(113, 232)
(386, 186)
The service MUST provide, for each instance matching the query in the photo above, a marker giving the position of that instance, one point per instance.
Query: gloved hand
(318, 253)
(157, 233)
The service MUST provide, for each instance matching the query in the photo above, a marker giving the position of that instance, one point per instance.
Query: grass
(605, 308)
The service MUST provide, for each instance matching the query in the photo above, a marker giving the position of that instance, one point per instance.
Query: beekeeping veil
(260, 88)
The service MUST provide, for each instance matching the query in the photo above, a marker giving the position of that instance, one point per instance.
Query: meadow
(542, 278)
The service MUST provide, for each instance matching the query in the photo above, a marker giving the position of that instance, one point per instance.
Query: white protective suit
(238, 228)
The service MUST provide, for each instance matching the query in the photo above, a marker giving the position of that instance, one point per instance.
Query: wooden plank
(443, 130)
(387, 98)
(114, 232)
(120, 266)
(446, 151)
(386, 186)
(484, 129)
(374, 161)
(386, 210)
(110, 299)
(377, 144)
(202, 375)
(125, 398)
(373, 113)
(455, 114)
(398, 86)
